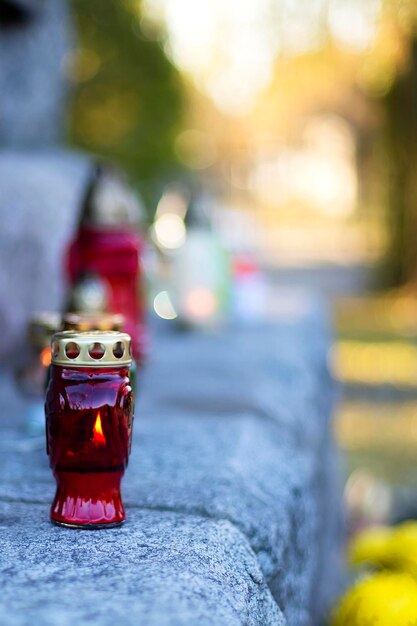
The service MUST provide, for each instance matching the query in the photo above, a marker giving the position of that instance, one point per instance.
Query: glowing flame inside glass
(98, 434)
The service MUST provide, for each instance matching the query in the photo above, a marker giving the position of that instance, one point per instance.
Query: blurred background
(292, 127)
(297, 121)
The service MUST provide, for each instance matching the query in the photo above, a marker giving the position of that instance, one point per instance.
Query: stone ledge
(162, 569)
(268, 475)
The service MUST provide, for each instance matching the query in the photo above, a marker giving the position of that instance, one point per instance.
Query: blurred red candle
(109, 246)
(89, 417)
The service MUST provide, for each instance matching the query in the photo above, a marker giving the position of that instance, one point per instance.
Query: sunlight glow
(320, 172)
(354, 22)
(230, 47)
(375, 363)
(365, 425)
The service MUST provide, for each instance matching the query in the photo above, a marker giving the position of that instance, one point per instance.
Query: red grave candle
(109, 246)
(89, 418)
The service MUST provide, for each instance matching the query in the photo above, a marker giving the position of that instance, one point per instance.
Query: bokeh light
(169, 231)
(163, 306)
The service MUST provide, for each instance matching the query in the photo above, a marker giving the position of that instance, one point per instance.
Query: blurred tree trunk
(401, 109)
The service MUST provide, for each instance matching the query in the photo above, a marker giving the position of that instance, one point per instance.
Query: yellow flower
(371, 546)
(387, 548)
(403, 548)
(384, 599)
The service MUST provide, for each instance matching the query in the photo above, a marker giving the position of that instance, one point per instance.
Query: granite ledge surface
(232, 462)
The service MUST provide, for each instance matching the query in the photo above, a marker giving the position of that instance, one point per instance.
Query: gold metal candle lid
(87, 321)
(96, 348)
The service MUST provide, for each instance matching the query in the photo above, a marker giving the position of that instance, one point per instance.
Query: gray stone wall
(231, 492)
(34, 44)
(40, 196)
(40, 186)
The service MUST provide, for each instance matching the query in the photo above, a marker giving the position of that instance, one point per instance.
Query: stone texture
(34, 42)
(259, 368)
(233, 428)
(162, 569)
(40, 195)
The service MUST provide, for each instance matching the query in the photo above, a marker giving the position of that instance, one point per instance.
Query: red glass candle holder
(109, 246)
(89, 418)
(114, 254)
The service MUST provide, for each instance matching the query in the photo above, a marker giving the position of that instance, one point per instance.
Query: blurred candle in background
(32, 376)
(109, 246)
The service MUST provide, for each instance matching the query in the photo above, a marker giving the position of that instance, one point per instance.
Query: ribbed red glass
(89, 418)
(115, 255)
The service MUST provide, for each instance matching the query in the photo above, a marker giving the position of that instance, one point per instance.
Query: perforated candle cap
(97, 348)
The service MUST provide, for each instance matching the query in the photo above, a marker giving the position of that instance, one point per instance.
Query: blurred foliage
(396, 71)
(128, 98)
(400, 107)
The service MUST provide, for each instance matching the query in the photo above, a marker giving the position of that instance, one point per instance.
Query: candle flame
(98, 431)
(46, 356)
